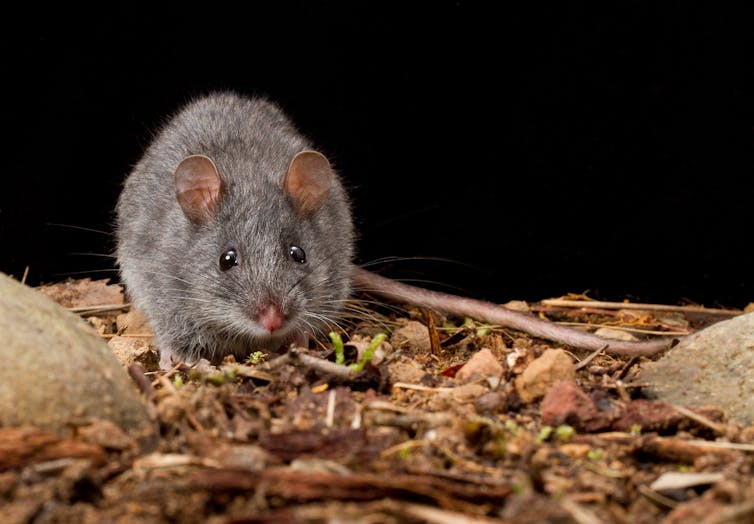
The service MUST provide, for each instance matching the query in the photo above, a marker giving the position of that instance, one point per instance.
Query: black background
(538, 150)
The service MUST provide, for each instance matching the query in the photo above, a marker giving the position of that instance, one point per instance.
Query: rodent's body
(170, 264)
(234, 236)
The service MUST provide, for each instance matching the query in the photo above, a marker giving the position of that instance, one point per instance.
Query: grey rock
(713, 367)
(55, 369)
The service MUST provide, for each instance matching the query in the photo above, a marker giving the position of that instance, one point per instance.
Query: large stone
(713, 367)
(56, 371)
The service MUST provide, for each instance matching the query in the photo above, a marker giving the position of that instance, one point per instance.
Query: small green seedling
(564, 433)
(255, 358)
(218, 379)
(337, 343)
(543, 434)
(369, 352)
(512, 427)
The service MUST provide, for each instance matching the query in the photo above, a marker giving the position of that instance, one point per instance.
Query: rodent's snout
(271, 317)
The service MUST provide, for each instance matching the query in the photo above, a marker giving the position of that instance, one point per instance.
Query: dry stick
(323, 366)
(634, 305)
(585, 362)
(127, 335)
(626, 329)
(722, 445)
(142, 382)
(489, 312)
(91, 310)
(434, 515)
(719, 429)
(657, 498)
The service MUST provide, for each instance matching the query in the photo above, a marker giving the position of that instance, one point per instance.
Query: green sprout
(596, 454)
(512, 427)
(337, 343)
(255, 358)
(564, 432)
(543, 434)
(218, 379)
(368, 352)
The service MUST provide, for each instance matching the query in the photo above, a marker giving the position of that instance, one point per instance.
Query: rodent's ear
(308, 181)
(197, 188)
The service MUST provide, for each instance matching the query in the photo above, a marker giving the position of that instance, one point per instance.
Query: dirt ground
(415, 436)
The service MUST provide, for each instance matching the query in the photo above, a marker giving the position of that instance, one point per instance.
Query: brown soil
(287, 440)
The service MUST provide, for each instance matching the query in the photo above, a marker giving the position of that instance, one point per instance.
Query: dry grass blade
(634, 305)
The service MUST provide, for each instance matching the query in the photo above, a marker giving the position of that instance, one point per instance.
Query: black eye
(228, 259)
(297, 254)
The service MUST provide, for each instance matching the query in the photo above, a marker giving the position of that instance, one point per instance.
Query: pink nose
(271, 317)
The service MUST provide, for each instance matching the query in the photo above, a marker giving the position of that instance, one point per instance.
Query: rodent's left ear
(308, 181)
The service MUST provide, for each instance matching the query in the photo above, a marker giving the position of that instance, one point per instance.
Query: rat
(234, 234)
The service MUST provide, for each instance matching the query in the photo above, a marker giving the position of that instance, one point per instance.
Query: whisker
(392, 259)
(82, 254)
(82, 228)
(85, 272)
(412, 281)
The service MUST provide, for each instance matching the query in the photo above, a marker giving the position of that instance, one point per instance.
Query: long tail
(496, 314)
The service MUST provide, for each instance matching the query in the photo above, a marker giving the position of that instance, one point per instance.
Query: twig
(128, 335)
(626, 367)
(468, 464)
(330, 413)
(418, 387)
(403, 446)
(589, 358)
(620, 388)
(26, 274)
(91, 310)
(657, 498)
(434, 339)
(625, 328)
(433, 515)
(635, 305)
(723, 445)
(719, 429)
(163, 379)
(317, 364)
(137, 375)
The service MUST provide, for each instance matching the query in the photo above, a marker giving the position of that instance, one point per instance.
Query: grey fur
(170, 266)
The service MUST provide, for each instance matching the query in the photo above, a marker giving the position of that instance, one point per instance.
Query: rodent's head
(265, 267)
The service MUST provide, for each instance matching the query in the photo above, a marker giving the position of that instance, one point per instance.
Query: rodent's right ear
(197, 188)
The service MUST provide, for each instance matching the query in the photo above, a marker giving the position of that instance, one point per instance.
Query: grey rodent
(233, 235)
